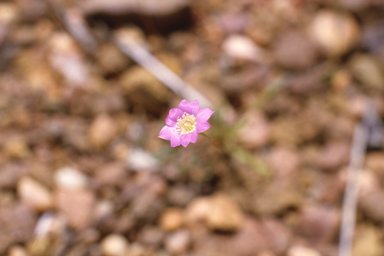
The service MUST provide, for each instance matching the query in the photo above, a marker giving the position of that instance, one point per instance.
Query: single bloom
(185, 122)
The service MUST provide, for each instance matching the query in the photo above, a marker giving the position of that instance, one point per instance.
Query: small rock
(17, 223)
(368, 71)
(319, 223)
(180, 195)
(335, 33)
(294, 50)
(224, 214)
(139, 160)
(102, 130)
(171, 219)
(242, 47)
(367, 241)
(114, 245)
(110, 174)
(333, 155)
(368, 203)
(178, 243)
(70, 178)
(17, 250)
(77, 205)
(256, 131)
(111, 59)
(34, 194)
(234, 22)
(197, 211)
(151, 236)
(16, 147)
(302, 251)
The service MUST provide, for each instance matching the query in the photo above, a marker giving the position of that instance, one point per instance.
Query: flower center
(186, 124)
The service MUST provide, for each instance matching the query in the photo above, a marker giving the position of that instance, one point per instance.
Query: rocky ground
(82, 171)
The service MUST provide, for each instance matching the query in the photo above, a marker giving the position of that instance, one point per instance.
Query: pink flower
(185, 122)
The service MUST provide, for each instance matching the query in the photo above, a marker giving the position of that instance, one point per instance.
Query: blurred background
(85, 87)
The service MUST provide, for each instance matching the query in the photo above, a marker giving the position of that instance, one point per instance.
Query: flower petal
(194, 137)
(170, 122)
(184, 106)
(185, 139)
(202, 126)
(204, 114)
(175, 113)
(195, 106)
(175, 139)
(165, 133)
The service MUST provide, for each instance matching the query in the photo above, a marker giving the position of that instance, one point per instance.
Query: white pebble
(70, 178)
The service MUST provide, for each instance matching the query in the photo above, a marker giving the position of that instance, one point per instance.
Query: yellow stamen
(186, 124)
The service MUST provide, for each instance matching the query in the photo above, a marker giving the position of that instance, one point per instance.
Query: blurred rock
(34, 194)
(336, 33)
(110, 174)
(234, 22)
(102, 131)
(171, 219)
(368, 71)
(17, 250)
(224, 213)
(70, 178)
(141, 160)
(294, 50)
(10, 174)
(151, 236)
(299, 250)
(17, 147)
(242, 47)
(256, 131)
(17, 223)
(114, 245)
(77, 205)
(367, 241)
(111, 59)
(333, 155)
(178, 242)
(285, 162)
(120, 6)
(369, 206)
(318, 223)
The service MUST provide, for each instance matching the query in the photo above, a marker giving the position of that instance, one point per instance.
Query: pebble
(367, 241)
(171, 219)
(17, 250)
(110, 174)
(368, 71)
(242, 47)
(114, 245)
(369, 206)
(140, 160)
(178, 243)
(70, 178)
(224, 213)
(77, 205)
(299, 250)
(319, 223)
(102, 131)
(16, 147)
(151, 236)
(335, 33)
(17, 223)
(256, 131)
(333, 155)
(294, 50)
(35, 195)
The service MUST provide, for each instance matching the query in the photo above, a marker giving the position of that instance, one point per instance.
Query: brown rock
(34, 194)
(369, 205)
(102, 131)
(256, 131)
(368, 71)
(171, 219)
(336, 33)
(333, 155)
(224, 213)
(302, 251)
(17, 250)
(110, 174)
(178, 242)
(294, 50)
(77, 205)
(17, 223)
(319, 223)
(151, 236)
(367, 241)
